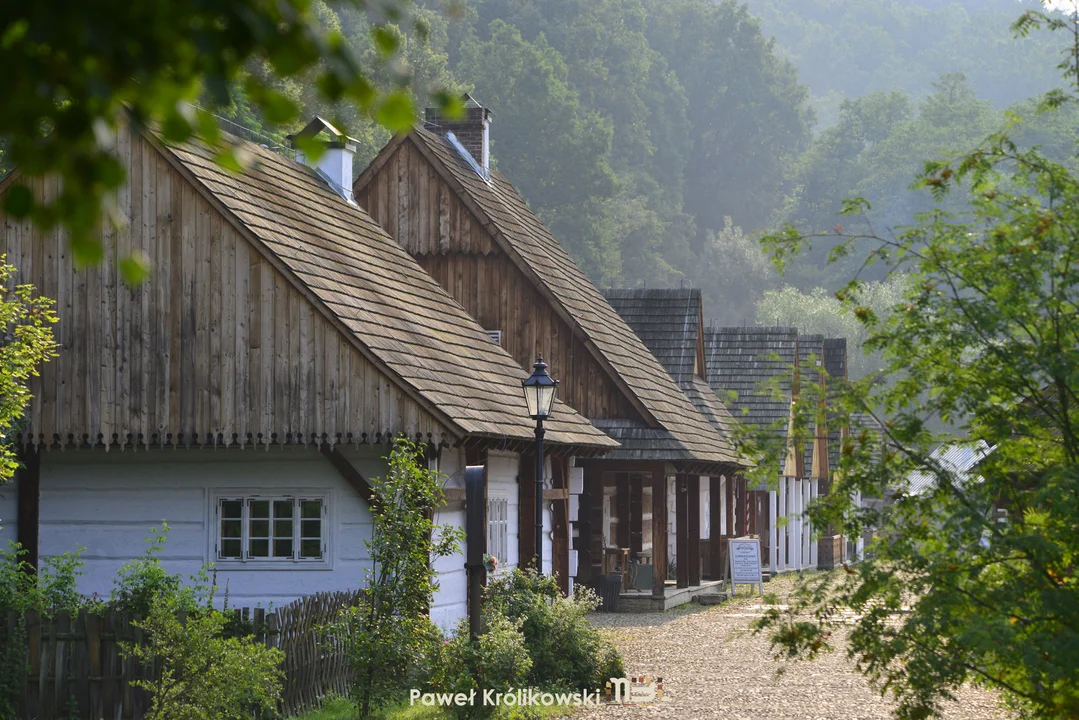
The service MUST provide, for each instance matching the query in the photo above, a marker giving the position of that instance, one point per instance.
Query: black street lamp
(539, 391)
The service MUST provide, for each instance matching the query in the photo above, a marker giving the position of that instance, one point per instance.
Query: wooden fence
(76, 669)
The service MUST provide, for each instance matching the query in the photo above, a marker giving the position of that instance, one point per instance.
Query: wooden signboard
(745, 562)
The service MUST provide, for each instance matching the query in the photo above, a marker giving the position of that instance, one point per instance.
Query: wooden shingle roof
(669, 322)
(744, 360)
(751, 361)
(676, 431)
(402, 319)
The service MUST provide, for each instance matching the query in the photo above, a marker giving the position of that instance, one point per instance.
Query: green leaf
(19, 201)
(135, 268)
(449, 104)
(386, 40)
(85, 251)
(396, 111)
(15, 32)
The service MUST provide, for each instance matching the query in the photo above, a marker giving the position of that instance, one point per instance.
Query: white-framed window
(271, 529)
(498, 528)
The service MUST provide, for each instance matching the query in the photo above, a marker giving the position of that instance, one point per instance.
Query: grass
(345, 709)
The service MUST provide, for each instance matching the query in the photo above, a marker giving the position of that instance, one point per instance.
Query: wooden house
(467, 226)
(754, 363)
(248, 389)
(670, 323)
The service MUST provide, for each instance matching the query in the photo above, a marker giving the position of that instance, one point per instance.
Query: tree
(27, 342)
(820, 311)
(733, 273)
(748, 114)
(972, 581)
(388, 633)
(72, 69)
(558, 153)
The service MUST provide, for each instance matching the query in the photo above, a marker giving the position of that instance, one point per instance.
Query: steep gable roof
(400, 316)
(683, 434)
(745, 360)
(670, 324)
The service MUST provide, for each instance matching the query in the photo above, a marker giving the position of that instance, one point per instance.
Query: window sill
(290, 565)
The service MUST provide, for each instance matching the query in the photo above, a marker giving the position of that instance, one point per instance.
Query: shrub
(143, 580)
(48, 592)
(567, 651)
(199, 673)
(497, 660)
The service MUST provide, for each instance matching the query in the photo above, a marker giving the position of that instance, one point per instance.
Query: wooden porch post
(636, 515)
(773, 536)
(659, 530)
(28, 479)
(621, 509)
(730, 482)
(560, 524)
(715, 519)
(693, 530)
(590, 526)
(681, 530)
(526, 510)
(743, 507)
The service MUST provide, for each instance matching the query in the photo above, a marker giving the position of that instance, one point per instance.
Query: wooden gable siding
(408, 198)
(215, 343)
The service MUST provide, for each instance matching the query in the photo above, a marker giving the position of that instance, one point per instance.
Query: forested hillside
(659, 138)
(850, 48)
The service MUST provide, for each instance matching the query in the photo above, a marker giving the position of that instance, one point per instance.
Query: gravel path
(713, 666)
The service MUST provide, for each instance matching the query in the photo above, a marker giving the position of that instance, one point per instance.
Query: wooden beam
(560, 524)
(593, 485)
(716, 543)
(732, 531)
(351, 475)
(639, 466)
(28, 479)
(636, 515)
(681, 530)
(693, 529)
(659, 530)
(621, 511)
(743, 507)
(526, 510)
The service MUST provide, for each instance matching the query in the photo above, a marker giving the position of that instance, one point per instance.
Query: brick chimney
(472, 132)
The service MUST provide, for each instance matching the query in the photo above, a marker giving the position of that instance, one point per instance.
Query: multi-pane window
(280, 528)
(498, 525)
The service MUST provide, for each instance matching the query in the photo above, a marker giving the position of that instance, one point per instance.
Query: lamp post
(539, 389)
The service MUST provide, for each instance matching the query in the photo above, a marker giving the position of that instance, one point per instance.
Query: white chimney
(334, 165)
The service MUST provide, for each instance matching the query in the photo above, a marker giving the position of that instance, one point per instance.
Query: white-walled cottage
(248, 389)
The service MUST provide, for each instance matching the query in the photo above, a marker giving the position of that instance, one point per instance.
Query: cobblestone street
(713, 666)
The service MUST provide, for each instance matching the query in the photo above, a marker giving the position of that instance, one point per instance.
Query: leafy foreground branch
(974, 579)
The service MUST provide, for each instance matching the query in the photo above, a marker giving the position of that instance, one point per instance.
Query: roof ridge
(531, 245)
(349, 244)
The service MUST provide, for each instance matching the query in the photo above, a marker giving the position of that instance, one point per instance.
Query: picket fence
(75, 668)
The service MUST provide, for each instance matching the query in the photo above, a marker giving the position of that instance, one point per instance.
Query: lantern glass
(539, 390)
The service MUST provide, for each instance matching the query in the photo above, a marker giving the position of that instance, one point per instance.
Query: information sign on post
(745, 563)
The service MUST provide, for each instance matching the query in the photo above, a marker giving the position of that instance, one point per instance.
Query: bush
(143, 580)
(498, 660)
(48, 592)
(567, 651)
(199, 673)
